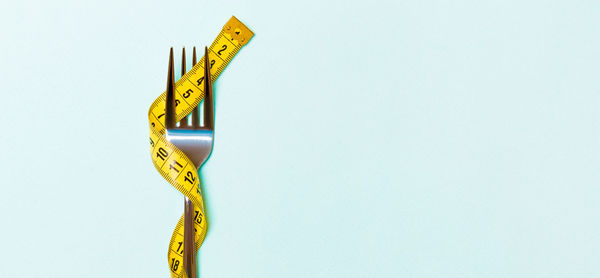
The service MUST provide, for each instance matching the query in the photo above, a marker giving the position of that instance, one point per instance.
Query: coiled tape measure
(171, 162)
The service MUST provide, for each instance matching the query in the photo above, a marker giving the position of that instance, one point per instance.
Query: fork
(196, 141)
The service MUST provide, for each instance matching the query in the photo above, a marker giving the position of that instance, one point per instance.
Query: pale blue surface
(354, 139)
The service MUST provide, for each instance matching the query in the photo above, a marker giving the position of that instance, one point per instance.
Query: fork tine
(183, 61)
(195, 112)
(184, 121)
(170, 101)
(208, 99)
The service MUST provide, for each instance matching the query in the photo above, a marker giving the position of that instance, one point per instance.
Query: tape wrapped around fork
(172, 163)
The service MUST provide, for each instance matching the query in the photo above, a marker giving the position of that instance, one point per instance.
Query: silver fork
(195, 141)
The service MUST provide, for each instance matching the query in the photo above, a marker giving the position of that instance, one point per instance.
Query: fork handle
(189, 248)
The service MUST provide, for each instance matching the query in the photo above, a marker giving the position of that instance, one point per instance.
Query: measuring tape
(171, 162)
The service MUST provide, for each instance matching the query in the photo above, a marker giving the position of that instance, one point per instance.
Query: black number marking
(158, 117)
(212, 63)
(199, 81)
(222, 49)
(187, 93)
(198, 219)
(174, 264)
(172, 166)
(190, 177)
(179, 247)
(162, 153)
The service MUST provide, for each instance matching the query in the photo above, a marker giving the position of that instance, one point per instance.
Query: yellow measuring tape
(171, 162)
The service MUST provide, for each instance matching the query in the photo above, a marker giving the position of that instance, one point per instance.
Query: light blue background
(353, 139)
